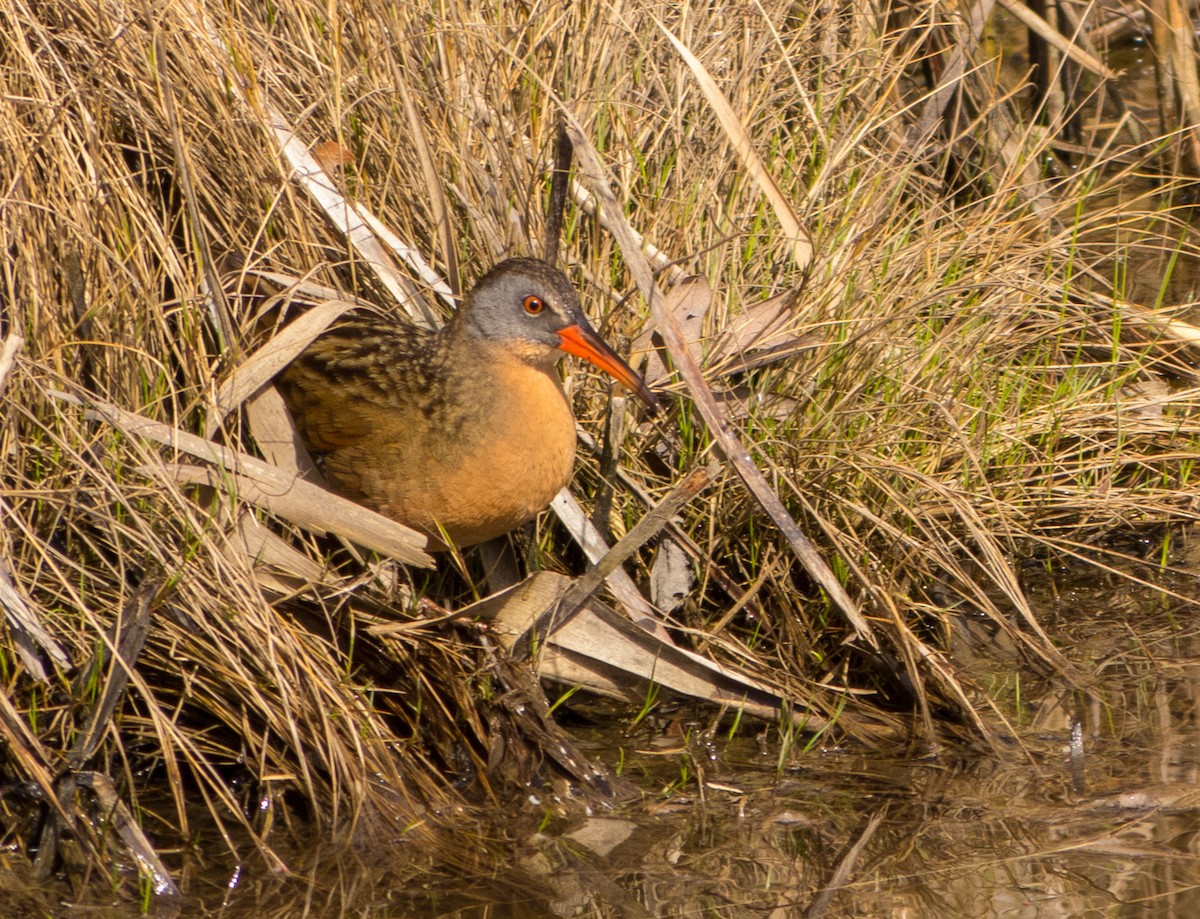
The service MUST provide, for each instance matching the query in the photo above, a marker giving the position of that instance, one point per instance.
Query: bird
(464, 433)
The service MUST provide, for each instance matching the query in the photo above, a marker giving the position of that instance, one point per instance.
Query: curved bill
(583, 342)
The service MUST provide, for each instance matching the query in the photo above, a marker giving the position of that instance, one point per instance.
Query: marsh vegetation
(941, 352)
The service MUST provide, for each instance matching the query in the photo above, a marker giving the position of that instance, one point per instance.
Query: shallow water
(1092, 811)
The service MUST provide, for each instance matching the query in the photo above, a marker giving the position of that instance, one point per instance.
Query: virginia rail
(464, 433)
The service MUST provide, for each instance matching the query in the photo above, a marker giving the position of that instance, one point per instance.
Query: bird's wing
(352, 380)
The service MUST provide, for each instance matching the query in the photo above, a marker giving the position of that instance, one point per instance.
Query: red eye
(533, 304)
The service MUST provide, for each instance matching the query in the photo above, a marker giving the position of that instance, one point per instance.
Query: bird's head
(532, 306)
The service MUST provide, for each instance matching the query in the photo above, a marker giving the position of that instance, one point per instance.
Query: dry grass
(980, 371)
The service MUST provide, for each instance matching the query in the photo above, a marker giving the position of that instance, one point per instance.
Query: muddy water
(1092, 809)
(1094, 813)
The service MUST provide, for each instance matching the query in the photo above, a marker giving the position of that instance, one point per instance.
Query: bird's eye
(533, 304)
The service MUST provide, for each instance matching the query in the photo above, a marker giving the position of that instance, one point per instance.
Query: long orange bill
(583, 342)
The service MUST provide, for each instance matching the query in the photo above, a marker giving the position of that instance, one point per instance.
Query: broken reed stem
(121, 651)
(653, 521)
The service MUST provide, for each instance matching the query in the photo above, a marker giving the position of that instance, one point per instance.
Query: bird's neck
(490, 387)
